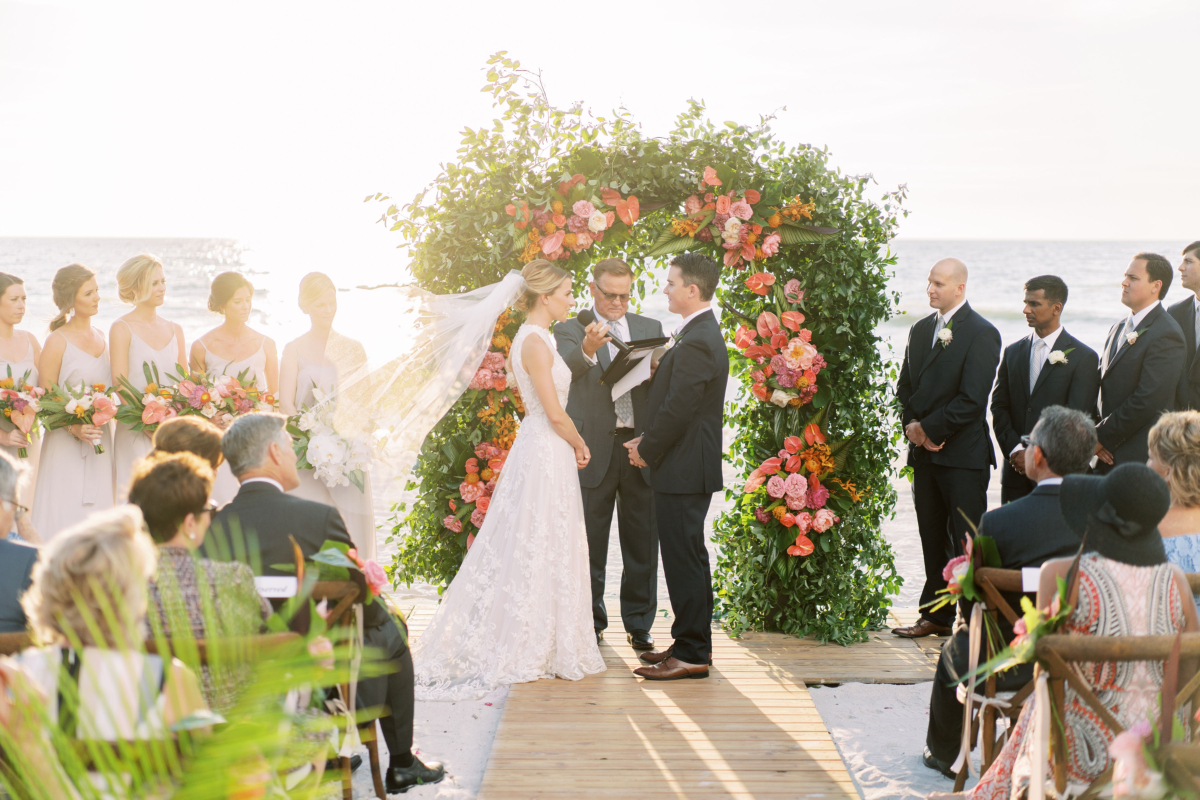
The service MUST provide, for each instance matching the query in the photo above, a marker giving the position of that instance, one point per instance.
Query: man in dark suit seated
(1028, 532)
(1187, 313)
(1140, 367)
(1050, 367)
(16, 557)
(259, 452)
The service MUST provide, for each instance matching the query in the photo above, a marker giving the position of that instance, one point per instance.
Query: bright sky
(270, 121)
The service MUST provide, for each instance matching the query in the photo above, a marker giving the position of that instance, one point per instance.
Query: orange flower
(559, 219)
(779, 511)
(501, 342)
(752, 196)
(472, 477)
(775, 220)
(802, 547)
(570, 239)
(100, 387)
(557, 208)
(549, 228)
(486, 474)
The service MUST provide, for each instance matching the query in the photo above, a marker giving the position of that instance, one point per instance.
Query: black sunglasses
(610, 297)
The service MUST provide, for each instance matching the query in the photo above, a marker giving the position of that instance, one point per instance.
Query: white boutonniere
(1059, 356)
(1131, 337)
(945, 335)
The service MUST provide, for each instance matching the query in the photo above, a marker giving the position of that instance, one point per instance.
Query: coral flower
(759, 282)
(752, 197)
(710, 177)
(771, 466)
(756, 479)
(554, 241)
(760, 391)
(804, 521)
(812, 434)
(792, 444)
(788, 520)
(723, 204)
(767, 324)
(743, 338)
(472, 465)
(802, 547)
(470, 491)
(792, 320)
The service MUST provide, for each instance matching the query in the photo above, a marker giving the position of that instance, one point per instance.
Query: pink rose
(477, 517)
(470, 540)
(795, 502)
(692, 205)
(741, 209)
(818, 495)
(804, 521)
(791, 289)
(757, 376)
(770, 245)
(583, 208)
(583, 240)
(723, 204)
(775, 487)
(799, 354)
(577, 224)
(452, 524)
(482, 379)
(823, 520)
(376, 577)
(470, 491)
(483, 503)
(494, 361)
(482, 450)
(795, 484)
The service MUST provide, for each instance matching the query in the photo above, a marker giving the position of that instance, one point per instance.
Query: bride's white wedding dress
(520, 607)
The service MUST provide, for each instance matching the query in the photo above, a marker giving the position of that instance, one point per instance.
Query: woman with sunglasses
(172, 490)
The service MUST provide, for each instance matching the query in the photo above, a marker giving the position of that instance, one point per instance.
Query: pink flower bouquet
(63, 407)
(19, 404)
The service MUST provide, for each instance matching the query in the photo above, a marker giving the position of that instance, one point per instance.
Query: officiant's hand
(595, 338)
(582, 456)
(634, 458)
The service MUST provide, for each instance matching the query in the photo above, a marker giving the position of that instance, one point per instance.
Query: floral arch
(804, 287)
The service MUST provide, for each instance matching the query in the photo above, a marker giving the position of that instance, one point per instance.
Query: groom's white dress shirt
(689, 318)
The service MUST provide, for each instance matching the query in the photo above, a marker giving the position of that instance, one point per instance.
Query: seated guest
(16, 558)
(260, 455)
(1028, 532)
(1132, 591)
(90, 585)
(172, 492)
(1175, 455)
(190, 435)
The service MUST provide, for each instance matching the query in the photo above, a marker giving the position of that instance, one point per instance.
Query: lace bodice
(560, 372)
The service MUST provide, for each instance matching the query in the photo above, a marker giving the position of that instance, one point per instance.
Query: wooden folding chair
(1056, 653)
(993, 581)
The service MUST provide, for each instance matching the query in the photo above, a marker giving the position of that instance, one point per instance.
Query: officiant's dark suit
(681, 445)
(1015, 409)
(609, 479)
(272, 516)
(1184, 313)
(946, 388)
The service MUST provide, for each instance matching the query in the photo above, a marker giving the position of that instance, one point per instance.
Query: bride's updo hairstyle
(541, 278)
(313, 287)
(224, 287)
(65, 287)
(1174, 442)
(134, 278)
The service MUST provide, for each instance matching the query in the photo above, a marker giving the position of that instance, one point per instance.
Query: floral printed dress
(1115, 599)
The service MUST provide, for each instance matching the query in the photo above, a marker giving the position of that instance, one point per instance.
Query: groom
(681, 445)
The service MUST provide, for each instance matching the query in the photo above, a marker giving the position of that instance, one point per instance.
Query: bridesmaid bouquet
(336, 460)
(229, 397)
(19, 404)
(63, 407)
(144, 409)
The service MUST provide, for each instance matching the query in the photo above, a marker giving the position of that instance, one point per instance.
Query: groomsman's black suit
(1188, 395)
(681, 444)
(271, 516)
(609, 479)
(1139, 384)
(946, 389)
(1028, 532)
(1015, 410)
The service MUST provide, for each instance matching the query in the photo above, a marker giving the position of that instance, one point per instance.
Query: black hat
(1118, 514)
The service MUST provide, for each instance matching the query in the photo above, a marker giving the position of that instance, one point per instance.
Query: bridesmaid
(19, 354)
(231, 348)
(141, 337)
(320, 359)
(73, 481)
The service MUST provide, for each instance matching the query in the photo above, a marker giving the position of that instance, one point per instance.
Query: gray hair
(1067, 438)
(246, 442)
(10, 477)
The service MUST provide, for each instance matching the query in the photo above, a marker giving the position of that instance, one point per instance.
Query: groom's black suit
(946, 389)
(681, 443)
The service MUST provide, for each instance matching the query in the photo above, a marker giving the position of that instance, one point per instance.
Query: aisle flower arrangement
(787, 361)
(63, 406)
(335, 459)
(576, 215)
(19, 406)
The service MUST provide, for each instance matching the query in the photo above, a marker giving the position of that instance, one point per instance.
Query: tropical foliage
(805, 283)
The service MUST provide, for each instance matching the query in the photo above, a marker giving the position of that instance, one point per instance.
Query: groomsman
(1141, 365)
(606, 425)
(1050, 367)
(949, 365)
(1187, 313)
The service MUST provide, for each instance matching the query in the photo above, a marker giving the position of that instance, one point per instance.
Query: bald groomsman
(1187, 313)
(1140, 366)
(1049, 367)
(949, 365)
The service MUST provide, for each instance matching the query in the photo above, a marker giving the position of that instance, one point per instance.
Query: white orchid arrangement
(335, 459)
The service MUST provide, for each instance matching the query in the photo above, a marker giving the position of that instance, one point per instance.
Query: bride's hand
(582, 456)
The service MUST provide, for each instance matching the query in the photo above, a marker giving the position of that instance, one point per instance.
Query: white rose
(781, 398)
(307, 421)
(945, 336)
(208, 410)
(1057, 357)
(597, 222)
(326, 450)
(733, 229)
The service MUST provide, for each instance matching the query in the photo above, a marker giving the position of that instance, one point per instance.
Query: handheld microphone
(587, 317)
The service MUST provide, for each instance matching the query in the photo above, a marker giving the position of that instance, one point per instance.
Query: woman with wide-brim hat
(1126, 587)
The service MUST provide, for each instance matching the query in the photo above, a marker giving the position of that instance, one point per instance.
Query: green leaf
(668, 243)
(791, 234)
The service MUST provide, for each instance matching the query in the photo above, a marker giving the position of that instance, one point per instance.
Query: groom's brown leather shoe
(672, 670)
(923, 628)
(663, 655)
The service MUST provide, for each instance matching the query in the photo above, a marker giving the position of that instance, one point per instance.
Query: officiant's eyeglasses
(17, 509)
(610, 297)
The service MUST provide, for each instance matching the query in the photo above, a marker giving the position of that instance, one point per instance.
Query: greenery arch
(803, 290)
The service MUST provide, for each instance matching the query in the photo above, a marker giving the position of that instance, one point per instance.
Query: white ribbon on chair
(974, 639)
(1041, 737)
(351, 741)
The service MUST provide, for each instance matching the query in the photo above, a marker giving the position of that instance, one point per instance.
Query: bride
(520, 607)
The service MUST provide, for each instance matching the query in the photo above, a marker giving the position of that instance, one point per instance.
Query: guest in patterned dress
(1175, 455)
(1126, 587)
(208, 598)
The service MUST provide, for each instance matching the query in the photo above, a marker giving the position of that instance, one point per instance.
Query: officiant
(610, 481)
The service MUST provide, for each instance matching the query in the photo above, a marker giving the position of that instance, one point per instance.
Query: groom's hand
(634, 458)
